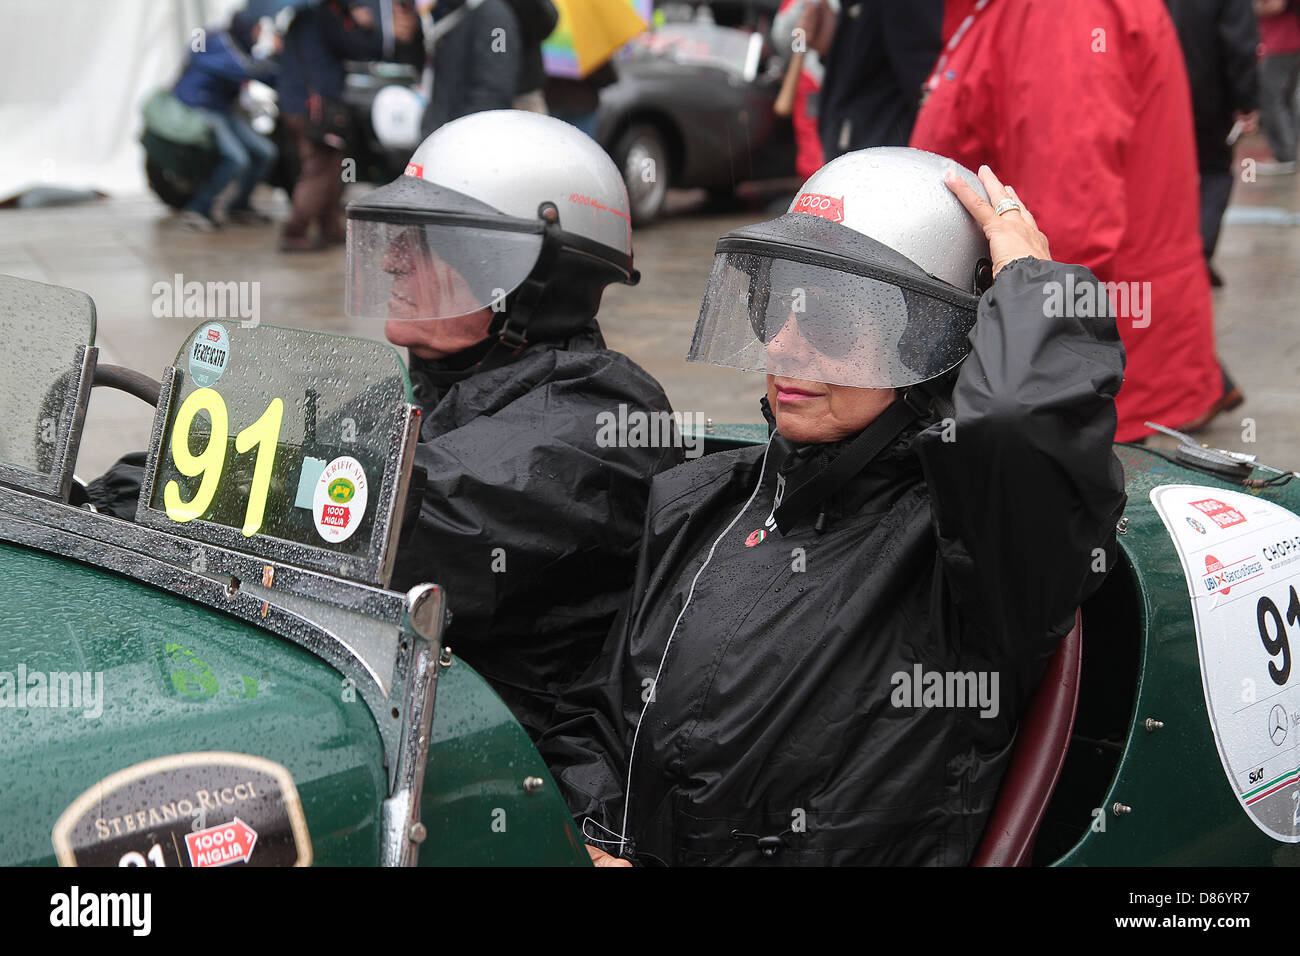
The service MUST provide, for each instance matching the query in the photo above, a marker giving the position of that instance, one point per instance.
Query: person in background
(475, 49)
(210, 84)
(877, 55)
(537, 18)
(1219, 39)
(318, 40)
(1279, 30)
(1085, 106)
(808, 156)
(577, 102)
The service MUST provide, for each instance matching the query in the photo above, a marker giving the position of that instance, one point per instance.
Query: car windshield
(43, 327)
(283, 434)
(283, 443)
(701, 44)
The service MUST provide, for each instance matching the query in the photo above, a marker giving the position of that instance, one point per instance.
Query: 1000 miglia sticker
(192, 810)
(1241, 557)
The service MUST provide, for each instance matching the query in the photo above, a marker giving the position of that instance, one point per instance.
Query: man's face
(424, 285)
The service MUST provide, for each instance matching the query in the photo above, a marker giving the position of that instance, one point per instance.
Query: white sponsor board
(1241, 557)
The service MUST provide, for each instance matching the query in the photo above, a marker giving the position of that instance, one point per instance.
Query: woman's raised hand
(1013, 234)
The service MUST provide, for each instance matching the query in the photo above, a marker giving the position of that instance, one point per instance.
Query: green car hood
(173, 678)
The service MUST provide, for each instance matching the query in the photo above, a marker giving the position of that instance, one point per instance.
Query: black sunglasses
(829, 338)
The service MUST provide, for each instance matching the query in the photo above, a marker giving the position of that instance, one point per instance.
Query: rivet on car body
(1119, 809)
(444, 659)
(1122, 526)
(1152, 724)
(708, 426)
(418, 832)
(533, 784)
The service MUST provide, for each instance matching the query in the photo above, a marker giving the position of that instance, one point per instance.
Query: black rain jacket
(783, 719)
(528, 523)
(476, 64)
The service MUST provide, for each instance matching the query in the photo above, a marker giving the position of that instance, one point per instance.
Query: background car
(693, 108)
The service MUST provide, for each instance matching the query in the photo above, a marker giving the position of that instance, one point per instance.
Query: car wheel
(643, 160)
(165, 185)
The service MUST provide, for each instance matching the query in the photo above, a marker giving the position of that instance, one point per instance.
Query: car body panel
(1182, 808)
(176, 678)
(476, 806)
(179, 678)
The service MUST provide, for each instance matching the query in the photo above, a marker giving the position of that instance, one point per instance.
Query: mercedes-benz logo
(1277, 721)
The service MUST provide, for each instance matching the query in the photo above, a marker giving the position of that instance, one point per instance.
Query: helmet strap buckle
(513, 337)
(919, 400)
(514, 329)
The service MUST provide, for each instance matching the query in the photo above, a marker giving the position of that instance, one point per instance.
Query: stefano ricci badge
(203, 809)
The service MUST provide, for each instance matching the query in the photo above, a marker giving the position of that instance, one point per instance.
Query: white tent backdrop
(73, 74)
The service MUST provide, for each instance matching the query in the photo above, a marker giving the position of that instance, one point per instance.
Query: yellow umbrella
(589, 31)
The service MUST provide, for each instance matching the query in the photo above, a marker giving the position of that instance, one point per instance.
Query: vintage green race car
(226, 680)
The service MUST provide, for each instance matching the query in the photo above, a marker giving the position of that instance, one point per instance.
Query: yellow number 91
(212, 461)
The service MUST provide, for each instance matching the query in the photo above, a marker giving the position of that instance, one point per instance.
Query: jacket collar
(796, 463)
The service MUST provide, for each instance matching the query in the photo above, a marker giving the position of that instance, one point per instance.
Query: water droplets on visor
(809, 299)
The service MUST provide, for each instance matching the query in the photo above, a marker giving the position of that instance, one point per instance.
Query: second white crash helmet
(488, 206)
(872, 279)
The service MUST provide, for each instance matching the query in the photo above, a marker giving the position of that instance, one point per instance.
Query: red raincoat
(1083, 107)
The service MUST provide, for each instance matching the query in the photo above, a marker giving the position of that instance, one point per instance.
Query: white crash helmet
(872, 279)
(487, 207)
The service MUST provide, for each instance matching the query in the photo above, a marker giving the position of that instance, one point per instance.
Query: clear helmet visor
(433, 270)
(804, 321)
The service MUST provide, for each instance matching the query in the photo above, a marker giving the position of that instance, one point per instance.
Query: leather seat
(1036, 763)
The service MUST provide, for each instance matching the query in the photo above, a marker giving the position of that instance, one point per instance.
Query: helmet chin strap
(513, 333)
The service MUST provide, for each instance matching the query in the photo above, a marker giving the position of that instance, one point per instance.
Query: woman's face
(812, 412)
(819, 413)
(423, 284)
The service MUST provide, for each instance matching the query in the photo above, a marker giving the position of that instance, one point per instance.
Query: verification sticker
(209, 354)
(340, 499)
(1241, 558)
(196, 810)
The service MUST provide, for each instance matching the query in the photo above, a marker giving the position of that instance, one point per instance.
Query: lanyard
(958, 35)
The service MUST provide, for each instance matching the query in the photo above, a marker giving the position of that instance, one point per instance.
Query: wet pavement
(117, 249)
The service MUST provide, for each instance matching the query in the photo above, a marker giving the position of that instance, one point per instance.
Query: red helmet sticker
(579, 199)
(415, 169)
(815, 204)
